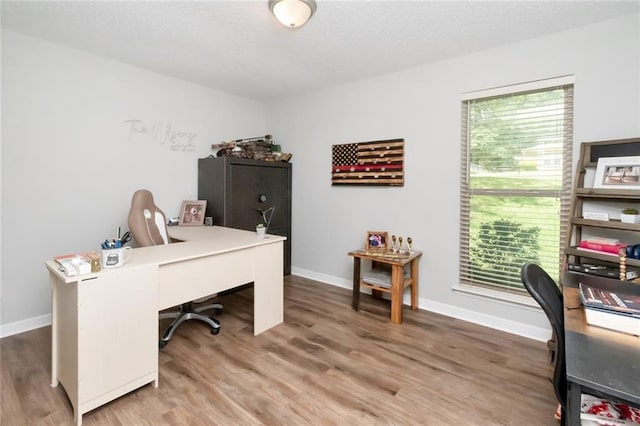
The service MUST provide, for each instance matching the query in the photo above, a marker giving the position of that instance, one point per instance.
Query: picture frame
(192, 212)
(617, 173)
(377, 240)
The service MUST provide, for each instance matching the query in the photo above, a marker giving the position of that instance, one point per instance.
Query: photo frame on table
(618, 173)
(192, 212)
(377, 240)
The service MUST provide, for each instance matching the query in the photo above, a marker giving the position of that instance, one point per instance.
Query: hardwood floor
(326, 364)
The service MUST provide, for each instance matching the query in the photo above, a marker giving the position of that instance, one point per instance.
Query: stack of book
(379, 278)
(613, 310)
(602, 245)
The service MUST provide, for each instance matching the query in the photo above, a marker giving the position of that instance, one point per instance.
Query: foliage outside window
(515, 181)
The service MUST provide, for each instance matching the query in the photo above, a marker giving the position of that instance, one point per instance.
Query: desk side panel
(187, 280)
(64, 328)
(268, 299)
(118, 333)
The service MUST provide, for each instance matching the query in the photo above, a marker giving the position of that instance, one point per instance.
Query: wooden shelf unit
(590, 152)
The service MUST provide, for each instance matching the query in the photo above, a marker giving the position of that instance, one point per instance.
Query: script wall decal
(163, 134)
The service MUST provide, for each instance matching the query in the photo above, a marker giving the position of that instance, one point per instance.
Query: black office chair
(548, 295)
(148, 226)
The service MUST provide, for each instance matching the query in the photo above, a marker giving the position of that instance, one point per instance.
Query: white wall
(422, 105)
(69, 166)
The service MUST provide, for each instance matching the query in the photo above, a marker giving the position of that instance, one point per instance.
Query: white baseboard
(509, 326)
(10, 329)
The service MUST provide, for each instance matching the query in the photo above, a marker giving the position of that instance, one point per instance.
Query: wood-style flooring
(325, 365)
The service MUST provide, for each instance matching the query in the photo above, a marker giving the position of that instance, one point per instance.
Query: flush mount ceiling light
(292, 13)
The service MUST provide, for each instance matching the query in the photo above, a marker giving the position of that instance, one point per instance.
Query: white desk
(105, 324)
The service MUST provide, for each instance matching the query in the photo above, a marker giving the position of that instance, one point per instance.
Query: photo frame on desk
(618, 173)
(377, 240)
(192, 212)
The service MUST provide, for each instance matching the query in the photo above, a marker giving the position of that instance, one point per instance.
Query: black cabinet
(238, 190)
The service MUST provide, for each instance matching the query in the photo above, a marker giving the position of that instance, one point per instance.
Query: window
(515, 181)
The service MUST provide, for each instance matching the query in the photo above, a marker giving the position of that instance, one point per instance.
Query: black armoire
(237, 190)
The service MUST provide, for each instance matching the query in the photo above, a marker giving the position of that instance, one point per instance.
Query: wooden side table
(398, 281)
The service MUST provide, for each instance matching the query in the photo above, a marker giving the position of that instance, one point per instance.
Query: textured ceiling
(238, 47)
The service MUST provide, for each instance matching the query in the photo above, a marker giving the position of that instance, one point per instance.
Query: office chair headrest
(147, 222)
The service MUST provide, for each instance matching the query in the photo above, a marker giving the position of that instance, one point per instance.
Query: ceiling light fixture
(292, 13)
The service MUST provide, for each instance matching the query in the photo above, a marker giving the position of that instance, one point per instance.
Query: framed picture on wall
(376, 240)
(192, 212)
(618, 173)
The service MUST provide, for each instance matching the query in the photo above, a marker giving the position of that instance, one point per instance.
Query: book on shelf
(613, 256)
(603, 240)
(601, 247)
(379, 278)
(631, 273)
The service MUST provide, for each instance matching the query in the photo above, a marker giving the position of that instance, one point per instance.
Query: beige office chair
(148, 226)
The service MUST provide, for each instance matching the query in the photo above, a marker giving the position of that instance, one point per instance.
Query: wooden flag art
(368, 163)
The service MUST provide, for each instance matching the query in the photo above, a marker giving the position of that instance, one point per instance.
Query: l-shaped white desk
(105, 324)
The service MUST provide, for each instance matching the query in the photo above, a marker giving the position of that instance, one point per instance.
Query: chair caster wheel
(162, 344)
(215, 331)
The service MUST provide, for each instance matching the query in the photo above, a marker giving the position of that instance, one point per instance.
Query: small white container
(261, 231)
(629, 218)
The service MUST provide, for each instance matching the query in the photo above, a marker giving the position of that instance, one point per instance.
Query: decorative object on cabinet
(256, 148)
(593, 194)
(267, 214)
(238, 191)
(192, 212)
(368, 163)
(618, 172)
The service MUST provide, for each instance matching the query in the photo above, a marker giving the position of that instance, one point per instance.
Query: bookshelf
(586, 198)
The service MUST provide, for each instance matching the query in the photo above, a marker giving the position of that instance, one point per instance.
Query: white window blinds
(515, 181)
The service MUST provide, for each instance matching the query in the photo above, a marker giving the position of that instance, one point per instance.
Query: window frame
(465, 282)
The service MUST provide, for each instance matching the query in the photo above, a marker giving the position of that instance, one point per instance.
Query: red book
(606, 248)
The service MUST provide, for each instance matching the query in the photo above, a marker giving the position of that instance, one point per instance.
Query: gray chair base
(187, 312)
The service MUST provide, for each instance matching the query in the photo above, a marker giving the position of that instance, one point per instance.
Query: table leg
(355, 302)
(397, 278)
(54, 330)
(268, 288)
(574, 396)
(414, 284)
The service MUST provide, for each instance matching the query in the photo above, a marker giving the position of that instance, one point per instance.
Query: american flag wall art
(368, 163)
